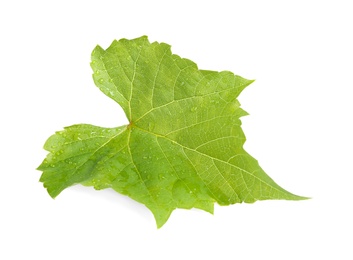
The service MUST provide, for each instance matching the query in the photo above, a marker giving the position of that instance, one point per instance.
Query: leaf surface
(183, 146)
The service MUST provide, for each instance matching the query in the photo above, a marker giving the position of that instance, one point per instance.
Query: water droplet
(97, 72)
(182, 83)
(145, 157)
(112, 93)
(101, 81)
(193, 109)
(190, 192)
(93, 62)
(161, 176)
(82, 149)
(151, 126)
(110, 80)
(52, 165)
(59, 152)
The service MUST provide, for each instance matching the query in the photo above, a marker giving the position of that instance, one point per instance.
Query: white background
(299, 128)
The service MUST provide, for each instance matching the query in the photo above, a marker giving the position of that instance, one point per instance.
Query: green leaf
(183, 146)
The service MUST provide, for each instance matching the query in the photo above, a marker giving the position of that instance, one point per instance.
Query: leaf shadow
(115, 199)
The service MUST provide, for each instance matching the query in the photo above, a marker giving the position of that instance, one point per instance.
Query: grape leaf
(183, 146)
